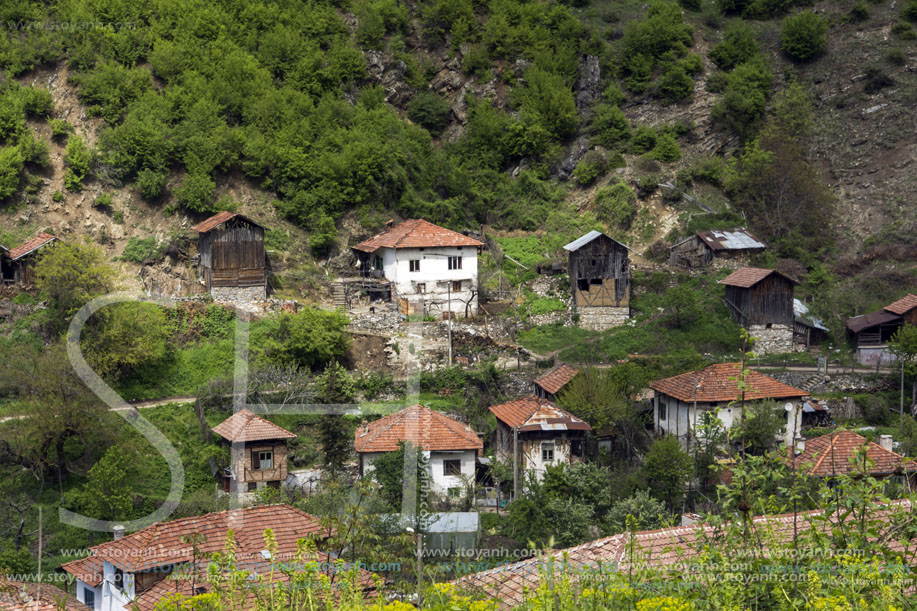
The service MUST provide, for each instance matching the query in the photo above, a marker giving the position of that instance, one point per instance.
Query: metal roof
(858, 323)
(443, 522)
(801, 314)
(737, 239)
(583, 240)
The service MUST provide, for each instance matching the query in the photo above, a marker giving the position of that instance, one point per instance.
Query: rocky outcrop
(391, 76)
(588, 82)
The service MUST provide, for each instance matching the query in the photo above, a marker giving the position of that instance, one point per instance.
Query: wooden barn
(17, 265)
(869, 333)
(702, 248)
(761, 300)
(599, 269)
(232, 259)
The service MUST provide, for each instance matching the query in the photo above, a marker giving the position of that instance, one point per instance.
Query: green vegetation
(143, 250)
(616, 206)
(802, 36)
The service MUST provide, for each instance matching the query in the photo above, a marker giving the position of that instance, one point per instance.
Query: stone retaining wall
(776, 340)
(602, 318)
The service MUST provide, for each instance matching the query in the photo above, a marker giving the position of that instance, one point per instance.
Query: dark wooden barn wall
(232, 255)
(770, 301)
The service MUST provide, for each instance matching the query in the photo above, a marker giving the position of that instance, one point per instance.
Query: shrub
(876, 80)
(78, 157)
(909, 12)
(323, 236)
(547, 101)
(858, 13)
(429, 110)
(904, 31)
(104, 200)
(611, 127)
(674, 85)
(613, 95)
(143, 250)
(744, 97)
(737, 47)
(616, 206)
(59, 128)
(37, 102)
(896, 56)
(196, 192)
(802, 36)
(592, 165)
(666, 149)
(151, 183)
(11, 162)
(644, 140)
(57, 196)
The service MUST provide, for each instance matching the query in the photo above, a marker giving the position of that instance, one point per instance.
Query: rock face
(575, 152)
(602, 318)
(587, 84)
(776, 339)
(391, 77)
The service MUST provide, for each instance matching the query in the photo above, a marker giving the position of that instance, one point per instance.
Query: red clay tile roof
(32, 245)
(423, 427)
(746, 277)
(219, 218)
(88, 569)
(160, 544)
(903, 305)
(864, 321)
(416, 233)
(831, 455)
(536, 414)
(29, 596)
(556, 379)
(244, 426)
(666, 549)
(719, 382)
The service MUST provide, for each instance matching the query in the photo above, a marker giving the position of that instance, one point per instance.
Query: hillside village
(459, 306)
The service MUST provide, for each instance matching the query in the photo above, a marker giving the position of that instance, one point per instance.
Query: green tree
(310, 338)
(124, 336)
(69, 275)
(388, 472)
(334, 386)
(11, 162)
(596, 396)
(667, 469)
(79, 160)
(903, 345)
(682, 306)
(107, 492)
(546, 100)
(763, 421)
(737, 47)
(616, 205)
(430, 110)
(645, 511)
(666, 149)
(610, 126)
(802, 36)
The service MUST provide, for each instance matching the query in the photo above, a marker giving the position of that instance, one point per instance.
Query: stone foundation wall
(242, 297)
(776, 340)
(601, 318)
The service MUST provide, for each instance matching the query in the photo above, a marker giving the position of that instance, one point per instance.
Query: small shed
(761, 300)
(599, 269)
(232, 257)
(449, 533)
(700, 249)
(869, 335)
(18, 264)
(807, 330)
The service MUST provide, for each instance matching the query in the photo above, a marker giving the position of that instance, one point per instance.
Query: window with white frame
(663, 410)
(414, 265)
(452, 466)
(262, 460)
(89, 597)
(455, 262)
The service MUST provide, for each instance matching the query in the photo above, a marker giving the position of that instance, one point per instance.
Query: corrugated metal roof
(583, 240)
(801, 313)
(737, 239)
(442, 522)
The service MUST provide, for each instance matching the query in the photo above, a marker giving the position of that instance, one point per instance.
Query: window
(262, 459)
(547, 451)
(118, 578)
(769, 325)
(421, 287)
(252, 486)
(663, 410)
(453, 466)
(414, 265)
(454, 493)
(576, 447)
(378, 262)
(455, 262)
(456, 286)
(89, 597)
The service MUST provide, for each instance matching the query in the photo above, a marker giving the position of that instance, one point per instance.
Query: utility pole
(901, 407)
(449, 309)
(515, 463)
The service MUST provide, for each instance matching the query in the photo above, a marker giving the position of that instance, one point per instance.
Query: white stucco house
(679, 401)
(137, 571)
(432, 269)
(449, 446)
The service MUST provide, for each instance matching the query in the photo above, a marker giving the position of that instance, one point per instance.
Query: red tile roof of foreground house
(557, 378)
(666, 549)
(536, 414)
(219, 218)
(416, 233)
(746, 277)
(422, 426)
(244, 426)
(831, 454)
(88, 570)
(161, 544)
(903, 305)
(32, 245)
(29, 596)
(719, 382)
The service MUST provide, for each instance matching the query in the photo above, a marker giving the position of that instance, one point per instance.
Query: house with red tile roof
(33, 596)
(761, 300)
(139, 570)
(257, 449)
(17, 264)
(450, 447)
(869, 333)
(432, 270)
(669, 552)
(679, 401)
(906, 308)
(537, 433)
(551, 383)
(232, 262)
(840, 453)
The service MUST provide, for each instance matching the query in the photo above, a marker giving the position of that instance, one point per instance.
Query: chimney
(886, 442)
(687, 519)
(800, 445)
(118, 531)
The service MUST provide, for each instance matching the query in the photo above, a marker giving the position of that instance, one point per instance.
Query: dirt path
(182, 400)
